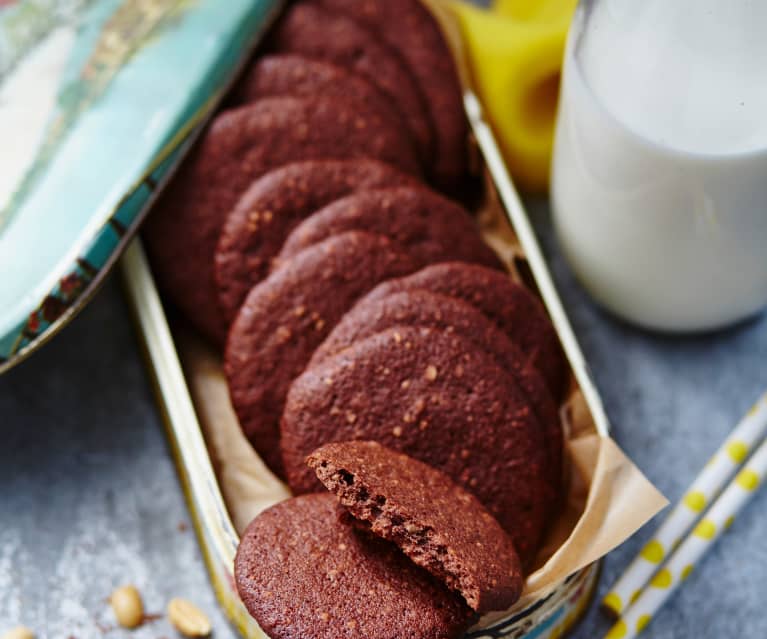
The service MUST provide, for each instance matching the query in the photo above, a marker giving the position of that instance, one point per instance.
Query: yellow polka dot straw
(733, 452)
(682, 561)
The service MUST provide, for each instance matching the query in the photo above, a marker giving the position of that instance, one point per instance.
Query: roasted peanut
(20, 632)
(188, 619)
(127, 605)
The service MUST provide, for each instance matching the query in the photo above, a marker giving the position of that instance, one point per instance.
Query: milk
(659, 183)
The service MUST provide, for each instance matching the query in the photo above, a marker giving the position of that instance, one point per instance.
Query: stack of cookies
(311, 235)
(401, 552)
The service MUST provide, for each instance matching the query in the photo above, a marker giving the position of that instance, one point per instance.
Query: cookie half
(436, 523)
(302, 574)
(256, 228)
(436, 397)
(240, 146)
(286, 316)
(431, 227)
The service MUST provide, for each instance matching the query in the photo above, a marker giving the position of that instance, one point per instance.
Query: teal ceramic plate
(98, 99)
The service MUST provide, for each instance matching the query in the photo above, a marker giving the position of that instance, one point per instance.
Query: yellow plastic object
(542, 11)
(515, 53)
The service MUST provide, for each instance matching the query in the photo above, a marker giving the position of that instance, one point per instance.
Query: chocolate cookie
(409, 28)
(303, 574)
(430, 227)
(256, 228)
(313, 32)
(286, 316)
(510, 305)
(439, 525)
(420, 308)
(240, 146)
(297, 76)
(437, 397)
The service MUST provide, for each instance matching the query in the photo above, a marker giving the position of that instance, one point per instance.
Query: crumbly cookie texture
(436, 523)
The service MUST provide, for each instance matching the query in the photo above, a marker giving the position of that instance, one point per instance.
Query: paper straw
(681, 563)
(714, 476)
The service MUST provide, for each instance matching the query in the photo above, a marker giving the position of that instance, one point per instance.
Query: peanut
(188, 619)
(127, 605)
(20, 632)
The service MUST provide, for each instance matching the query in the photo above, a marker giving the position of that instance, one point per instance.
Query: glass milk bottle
(659, 182)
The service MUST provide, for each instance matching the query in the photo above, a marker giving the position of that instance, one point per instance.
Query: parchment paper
(607, 500)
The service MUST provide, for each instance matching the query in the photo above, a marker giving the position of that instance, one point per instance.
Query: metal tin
(547, 618)
(111, 69)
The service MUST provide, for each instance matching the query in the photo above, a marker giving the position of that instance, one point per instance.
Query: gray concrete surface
(89, 498)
